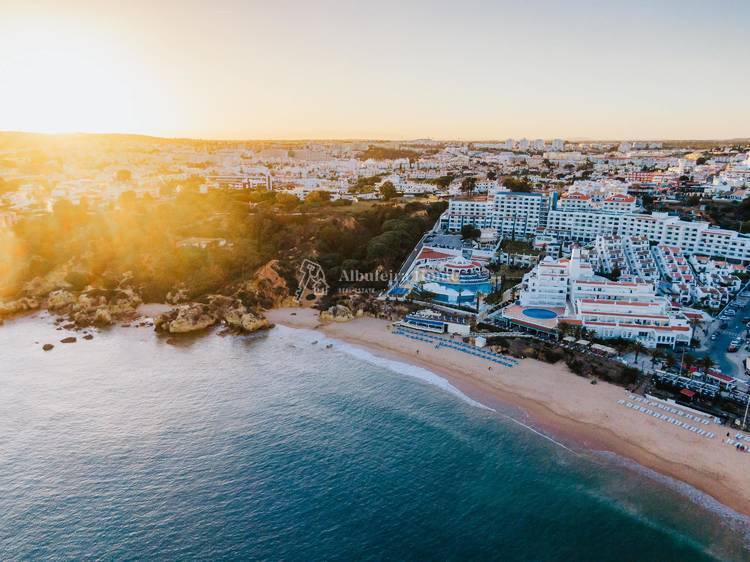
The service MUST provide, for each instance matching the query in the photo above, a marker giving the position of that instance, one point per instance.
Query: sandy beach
(587, 417)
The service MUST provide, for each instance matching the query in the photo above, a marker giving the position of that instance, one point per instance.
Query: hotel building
(693, 237)
(570, 291)
(511, 214)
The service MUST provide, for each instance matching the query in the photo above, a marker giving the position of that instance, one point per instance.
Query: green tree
(638, 348)
(670, 361)
(470, 232)
(706, 363)
(517, 184)
(318, 196)
(388, 191)
(468, 184)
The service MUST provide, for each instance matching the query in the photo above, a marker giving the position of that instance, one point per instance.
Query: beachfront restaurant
(427, 320)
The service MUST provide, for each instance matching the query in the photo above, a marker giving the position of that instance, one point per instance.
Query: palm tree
(655, 356)
(688, 361)
(670, 360)
(638, 347)
(706, 363)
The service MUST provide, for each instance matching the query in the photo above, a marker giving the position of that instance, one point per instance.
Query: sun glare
(63, 81)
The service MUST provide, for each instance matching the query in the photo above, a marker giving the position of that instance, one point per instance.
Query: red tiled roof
(427, 254)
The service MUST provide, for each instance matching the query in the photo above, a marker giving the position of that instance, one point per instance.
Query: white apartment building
(511, 214)
(631, 255)
(652, 322)
(538, 144)
(676, 271)
(608, 254)
(616, 202)
(548, 284)
(693, 237)
(612, 309)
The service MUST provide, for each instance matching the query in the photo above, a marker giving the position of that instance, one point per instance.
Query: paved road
(729, 363)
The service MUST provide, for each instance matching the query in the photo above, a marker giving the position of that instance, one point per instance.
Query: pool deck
(515, 314)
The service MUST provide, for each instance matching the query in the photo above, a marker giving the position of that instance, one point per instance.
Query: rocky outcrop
(24, 304)
(240, 319)
(48, 347)
(102, 317)
(59, 299)
(95, 306)
(185, 318)
(236, 315)
(40, 287)
(124, 302)
(178, 295)
(336, 313)
(192, 317)
(268, 286)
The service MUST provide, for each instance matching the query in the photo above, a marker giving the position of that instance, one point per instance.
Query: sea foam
(414, 371)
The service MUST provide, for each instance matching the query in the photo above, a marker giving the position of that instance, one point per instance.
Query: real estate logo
(311, 280)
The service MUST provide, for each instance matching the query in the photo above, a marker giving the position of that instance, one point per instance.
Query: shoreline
(563, 404)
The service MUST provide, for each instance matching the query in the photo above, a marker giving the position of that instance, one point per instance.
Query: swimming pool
(540, 313)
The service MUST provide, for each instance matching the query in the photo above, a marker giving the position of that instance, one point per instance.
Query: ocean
(287, 445)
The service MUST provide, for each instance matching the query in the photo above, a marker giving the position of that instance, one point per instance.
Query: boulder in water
(185, 318)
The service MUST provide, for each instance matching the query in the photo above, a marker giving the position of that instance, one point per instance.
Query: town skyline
(405, 140)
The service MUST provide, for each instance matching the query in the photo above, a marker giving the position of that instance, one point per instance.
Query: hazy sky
(378, 69)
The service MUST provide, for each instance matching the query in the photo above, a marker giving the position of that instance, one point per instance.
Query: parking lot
(725, 329)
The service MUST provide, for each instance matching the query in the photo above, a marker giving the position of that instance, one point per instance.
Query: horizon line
(371, 139)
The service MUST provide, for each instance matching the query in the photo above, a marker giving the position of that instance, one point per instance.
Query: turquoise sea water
(273, 447)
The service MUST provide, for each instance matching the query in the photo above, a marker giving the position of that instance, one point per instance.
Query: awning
(604, 349)
(687, 392)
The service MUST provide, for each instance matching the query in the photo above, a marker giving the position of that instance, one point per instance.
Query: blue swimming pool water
(540, 313)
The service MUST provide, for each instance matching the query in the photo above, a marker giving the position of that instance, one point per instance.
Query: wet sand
(562, 404)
